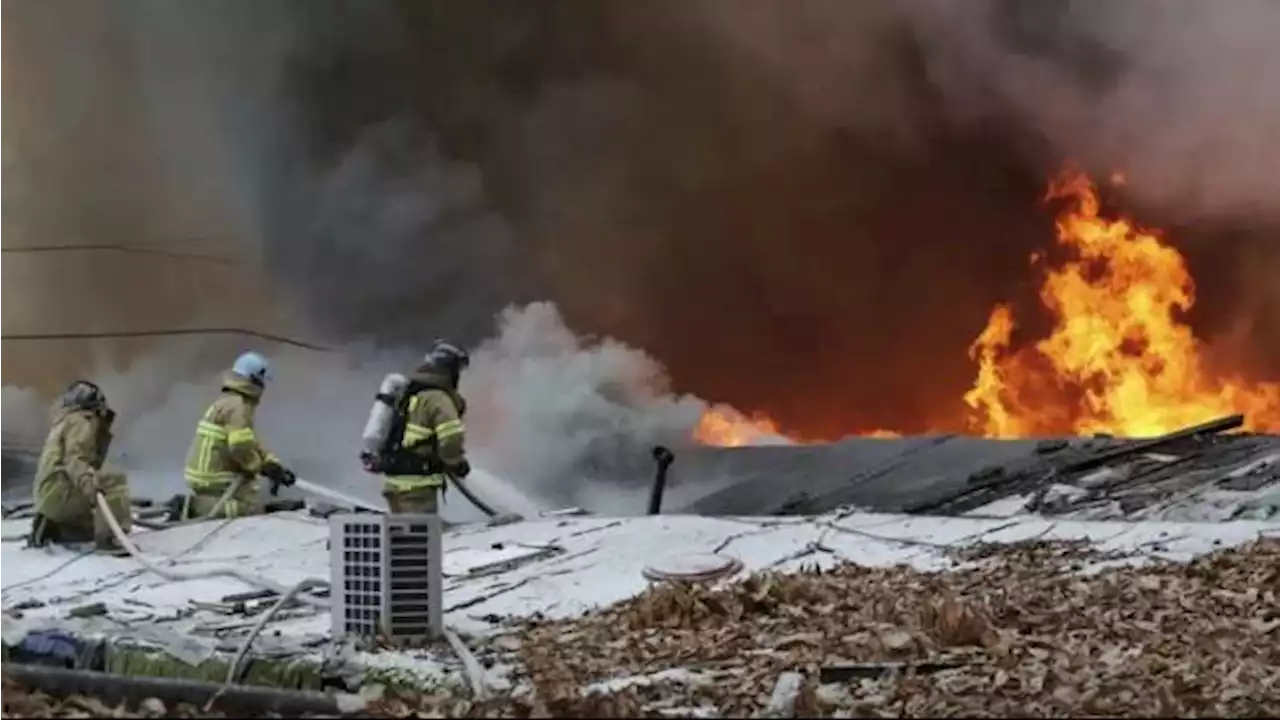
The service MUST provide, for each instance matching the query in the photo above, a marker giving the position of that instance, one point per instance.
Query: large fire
(1119, 357)
(726, 427)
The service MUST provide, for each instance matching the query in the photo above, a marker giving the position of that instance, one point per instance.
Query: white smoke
(562, 416)
(553, 420)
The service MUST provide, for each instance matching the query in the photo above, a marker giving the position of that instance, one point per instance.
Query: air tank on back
(382, 414)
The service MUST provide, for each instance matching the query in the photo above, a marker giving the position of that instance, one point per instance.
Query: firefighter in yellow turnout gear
(71, 473)
(434, 434)
(226, 451)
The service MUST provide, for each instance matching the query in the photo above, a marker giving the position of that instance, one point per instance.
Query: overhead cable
(141, 250)
(162, 333)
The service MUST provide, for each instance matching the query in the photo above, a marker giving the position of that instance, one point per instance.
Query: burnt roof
(949, 474)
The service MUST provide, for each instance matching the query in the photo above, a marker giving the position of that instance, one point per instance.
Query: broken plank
(852, 671)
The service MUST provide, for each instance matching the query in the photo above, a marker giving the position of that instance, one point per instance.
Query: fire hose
(320, 491)
(213, 511)
(247, 699)
(471, 666)
(470, 496)
(226, 495)
(286, 594)
(177, 575)
(341, 499)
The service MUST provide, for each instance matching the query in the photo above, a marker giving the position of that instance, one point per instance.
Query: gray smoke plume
(558, 420)
(729, 187)
(1177, 95)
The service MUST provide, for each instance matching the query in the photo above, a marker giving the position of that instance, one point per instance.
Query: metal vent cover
(387, 576)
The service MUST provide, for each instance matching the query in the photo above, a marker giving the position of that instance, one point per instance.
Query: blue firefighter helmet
(251, 366)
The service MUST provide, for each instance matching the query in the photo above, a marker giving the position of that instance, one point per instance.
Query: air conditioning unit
(386, 577)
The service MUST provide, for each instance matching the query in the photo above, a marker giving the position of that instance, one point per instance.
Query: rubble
(1021, 634)
(1195, 474)
(1015, 630)
(21, 702)
(843, 613)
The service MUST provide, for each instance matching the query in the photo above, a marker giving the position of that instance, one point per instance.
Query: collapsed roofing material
(948, 474)
(864, 472)
(499, 581)
(558, 567)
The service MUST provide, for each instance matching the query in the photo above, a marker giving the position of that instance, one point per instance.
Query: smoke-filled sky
(804, 207)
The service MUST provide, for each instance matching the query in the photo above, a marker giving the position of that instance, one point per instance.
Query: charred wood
(994, 483)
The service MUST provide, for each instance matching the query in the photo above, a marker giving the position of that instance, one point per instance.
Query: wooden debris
(1017, 633)
(90, 610)
(1068, 465)
(876, 670)
(782, 703)
(251, 595)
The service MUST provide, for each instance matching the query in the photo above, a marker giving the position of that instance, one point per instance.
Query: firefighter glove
(278, 474)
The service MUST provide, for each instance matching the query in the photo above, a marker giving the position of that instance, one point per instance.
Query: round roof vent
(695, 567)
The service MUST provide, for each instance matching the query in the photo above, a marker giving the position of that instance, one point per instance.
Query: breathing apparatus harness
(392, 458)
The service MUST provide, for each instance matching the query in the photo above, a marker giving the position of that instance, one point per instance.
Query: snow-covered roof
(558, 567)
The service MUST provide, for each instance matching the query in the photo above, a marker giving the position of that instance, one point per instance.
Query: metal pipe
(112, 688)
(663, 457)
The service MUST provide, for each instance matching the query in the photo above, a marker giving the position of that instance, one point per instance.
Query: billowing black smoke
(805, 207)
(660, 181)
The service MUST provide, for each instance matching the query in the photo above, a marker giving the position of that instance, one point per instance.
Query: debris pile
(1018, 632)
(1030, 630)
(1201, 473)
(1137, 478)
(19, 702)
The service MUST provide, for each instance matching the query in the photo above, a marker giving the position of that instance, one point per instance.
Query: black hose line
(112, 689)
(471, 497)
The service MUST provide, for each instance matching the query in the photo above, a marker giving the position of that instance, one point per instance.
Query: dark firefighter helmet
(84, 395)
(448, 358)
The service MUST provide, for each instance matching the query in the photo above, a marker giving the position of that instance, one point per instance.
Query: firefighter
(226, 452)
(71, 474)
(434, 435)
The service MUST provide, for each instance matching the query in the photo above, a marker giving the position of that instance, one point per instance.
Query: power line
(150, 333)
(162, 333)
(140, 250)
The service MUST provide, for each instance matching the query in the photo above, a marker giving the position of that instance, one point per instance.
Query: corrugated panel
(767, 480)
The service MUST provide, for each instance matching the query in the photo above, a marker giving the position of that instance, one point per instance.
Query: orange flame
(726, 427)
(1118, 359)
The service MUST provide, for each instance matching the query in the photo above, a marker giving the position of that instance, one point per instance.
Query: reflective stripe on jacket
(434, 431)
(225, 446)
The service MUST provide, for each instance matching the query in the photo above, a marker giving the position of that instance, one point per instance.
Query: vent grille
(387, 571)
